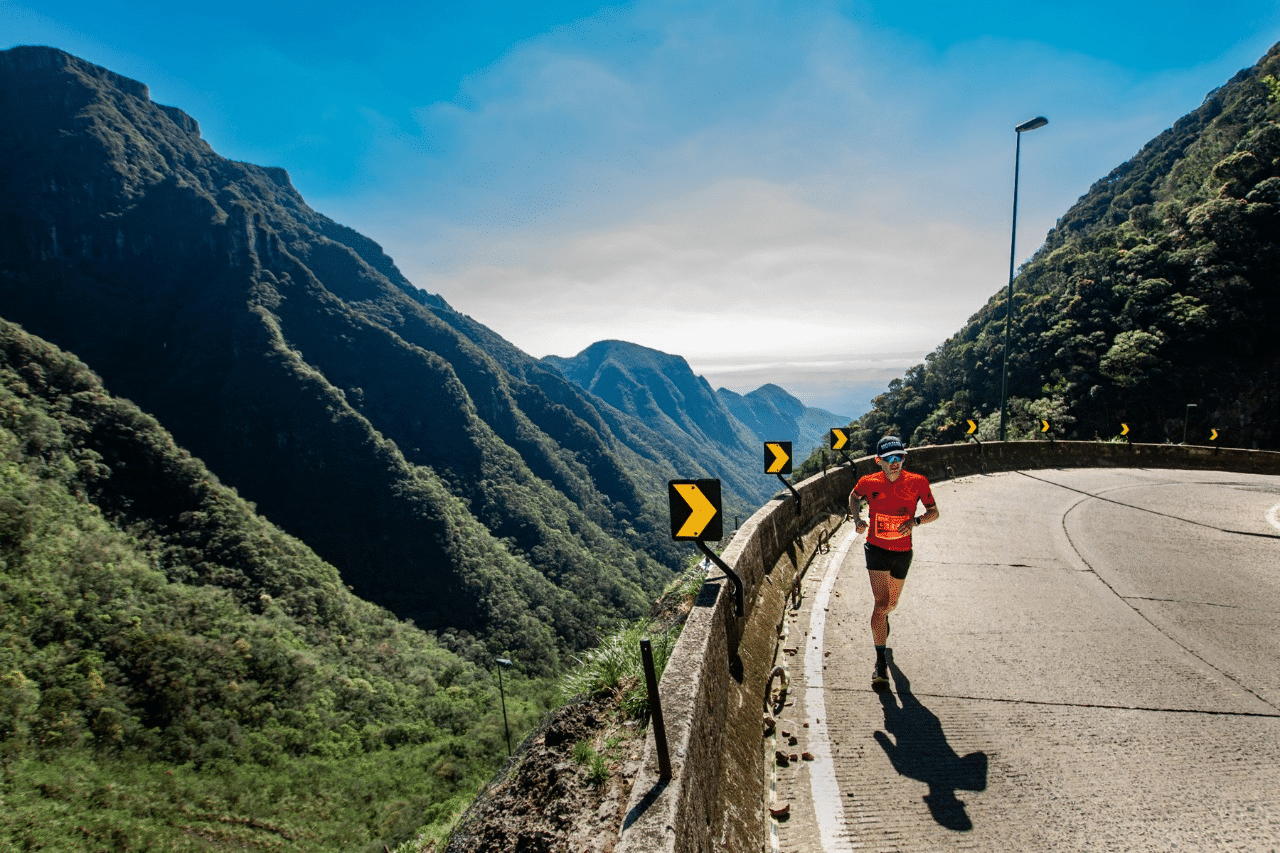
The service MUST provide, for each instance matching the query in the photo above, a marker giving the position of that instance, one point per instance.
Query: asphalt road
(1083, 660)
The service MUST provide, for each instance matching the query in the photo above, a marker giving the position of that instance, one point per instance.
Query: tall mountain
(447, 475)
(724, 429)
(664, 393)
(773, 414)
(1154, 302)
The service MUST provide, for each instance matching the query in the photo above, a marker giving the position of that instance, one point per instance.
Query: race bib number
(886, 526)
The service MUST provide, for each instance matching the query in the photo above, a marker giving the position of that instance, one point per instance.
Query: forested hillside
(447, 475)
(662, 391)
(176, 673)
(724, 429)
(1160, 288)
(773, 414)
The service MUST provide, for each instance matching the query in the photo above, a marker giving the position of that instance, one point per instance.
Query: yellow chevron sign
(1044, 425)
(695, 510)
(777, 457)
(1124, 429)
(973, 427)
(1213, 434)
(839, 438)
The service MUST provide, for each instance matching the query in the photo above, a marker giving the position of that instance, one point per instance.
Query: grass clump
(597, 763)
(597, 770)
(616, 668)
(582, 752)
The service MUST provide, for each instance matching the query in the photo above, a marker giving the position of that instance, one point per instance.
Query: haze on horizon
(810, 194)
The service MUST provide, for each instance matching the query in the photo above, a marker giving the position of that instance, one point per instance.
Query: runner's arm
(930, 514)
(855, 511)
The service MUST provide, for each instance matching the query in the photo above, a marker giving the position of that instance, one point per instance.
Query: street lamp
(1185, 420)
(1031, 124)
(503, 663)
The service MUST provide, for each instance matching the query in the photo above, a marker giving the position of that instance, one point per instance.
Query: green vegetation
(615, 667)
(597, 764)
(446, 475)
(1159, 288)
(598, 772)
(195, 677)
(177, 673)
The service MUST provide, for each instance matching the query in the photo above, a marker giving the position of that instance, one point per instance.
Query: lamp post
(503, 663)
(1030, 124)
(1185, 420)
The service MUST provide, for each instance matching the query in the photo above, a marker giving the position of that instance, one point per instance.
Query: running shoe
(879, 679)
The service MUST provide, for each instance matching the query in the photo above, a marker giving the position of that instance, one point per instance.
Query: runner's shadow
(919, 750)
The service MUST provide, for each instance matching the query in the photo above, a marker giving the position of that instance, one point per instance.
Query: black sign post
(696, 517)
(973, 428)
(695, 510)
(839, 441)
(777, 460)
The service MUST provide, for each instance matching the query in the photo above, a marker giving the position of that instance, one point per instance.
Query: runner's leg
(887, 590)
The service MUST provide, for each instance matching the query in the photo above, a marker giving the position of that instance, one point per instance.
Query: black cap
(890, 444)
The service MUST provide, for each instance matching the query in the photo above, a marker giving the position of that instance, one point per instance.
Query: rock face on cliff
(447, 475)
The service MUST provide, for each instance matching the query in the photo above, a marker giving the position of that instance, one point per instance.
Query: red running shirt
(891, 504)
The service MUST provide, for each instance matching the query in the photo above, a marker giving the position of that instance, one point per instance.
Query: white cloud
(723, 179)
(741, 266)
(751, 180)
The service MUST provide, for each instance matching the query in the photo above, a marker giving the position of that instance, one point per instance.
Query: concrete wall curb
(712, 691)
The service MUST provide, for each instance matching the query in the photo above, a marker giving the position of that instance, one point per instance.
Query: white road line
(1273, 516)
(822, 770)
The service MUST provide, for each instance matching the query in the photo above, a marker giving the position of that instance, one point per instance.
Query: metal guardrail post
(655, 711)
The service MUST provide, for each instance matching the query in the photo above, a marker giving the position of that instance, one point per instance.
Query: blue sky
(809, 193)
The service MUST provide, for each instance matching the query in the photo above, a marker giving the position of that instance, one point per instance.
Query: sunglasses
(894, 459)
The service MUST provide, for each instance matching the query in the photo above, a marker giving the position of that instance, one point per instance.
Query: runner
(892, 495)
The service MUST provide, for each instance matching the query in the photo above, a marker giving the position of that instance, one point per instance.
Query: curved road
(1083, 660)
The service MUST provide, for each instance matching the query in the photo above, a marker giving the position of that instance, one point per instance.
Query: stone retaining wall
(712, 691)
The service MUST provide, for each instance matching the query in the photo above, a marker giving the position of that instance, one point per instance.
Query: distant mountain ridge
(655, 386)
(661, 391)
(774, 414)
(725, 428)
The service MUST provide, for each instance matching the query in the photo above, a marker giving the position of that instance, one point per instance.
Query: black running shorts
(896, 563)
